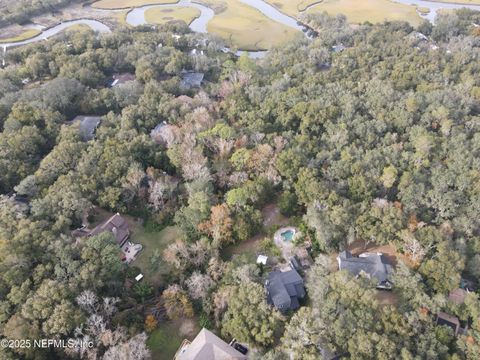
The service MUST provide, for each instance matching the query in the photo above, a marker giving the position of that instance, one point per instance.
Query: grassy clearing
(218, 6)
(423, 10)
(374, 11)
(167, 338)
(121, 17)
(272, 218)
(292, 7)
(164, 15)
(164, 341)
(77, 27)
(466, 2)
(125, 4)
(152, 240)
(30, 33)
(248, 29)
(247, 248)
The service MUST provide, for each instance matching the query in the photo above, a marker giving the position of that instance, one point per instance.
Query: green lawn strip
(164, 341)
(150, 241)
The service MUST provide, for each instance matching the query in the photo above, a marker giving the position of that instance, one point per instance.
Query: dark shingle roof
(373, 264)
(88, 125)
(191, 80)
(284, 289)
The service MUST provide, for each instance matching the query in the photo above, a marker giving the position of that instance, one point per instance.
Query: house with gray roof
(373, 265)
(88, 125)
(207, 346)
(284, 290)
(191, 80)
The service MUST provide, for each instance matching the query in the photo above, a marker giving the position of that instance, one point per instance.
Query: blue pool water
(287, 235)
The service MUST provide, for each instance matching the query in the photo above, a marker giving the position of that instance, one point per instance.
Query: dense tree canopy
(378, 143)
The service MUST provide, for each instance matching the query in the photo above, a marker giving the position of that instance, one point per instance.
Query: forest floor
(358, 247)
(165, 15)
(248, 247)
(389, 251)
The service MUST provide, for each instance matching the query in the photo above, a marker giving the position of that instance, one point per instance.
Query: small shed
(262, 259)
(338, 48)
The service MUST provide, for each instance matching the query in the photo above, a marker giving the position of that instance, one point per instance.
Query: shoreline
(19, 43)
(130, 7)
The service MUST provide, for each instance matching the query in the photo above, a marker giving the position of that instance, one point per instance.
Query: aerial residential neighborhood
(239, 179)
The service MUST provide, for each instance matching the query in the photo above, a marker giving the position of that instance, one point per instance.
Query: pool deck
(286, 247)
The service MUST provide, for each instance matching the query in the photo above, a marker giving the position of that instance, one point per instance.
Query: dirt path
(390, 252)
(272, 216)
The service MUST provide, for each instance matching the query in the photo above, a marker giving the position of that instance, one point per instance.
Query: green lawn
(164, 341)
(152, 240)
(247, 248)
(167, 338)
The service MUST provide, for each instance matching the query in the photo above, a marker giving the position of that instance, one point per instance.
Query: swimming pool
(287, 235)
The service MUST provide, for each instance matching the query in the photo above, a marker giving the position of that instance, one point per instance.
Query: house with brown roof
(119, 79)
(117, 226)
(449, 320)
(207, 346)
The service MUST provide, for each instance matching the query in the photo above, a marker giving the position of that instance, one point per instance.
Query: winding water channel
(136, 17)
(435, 6)
(44, 35)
